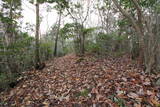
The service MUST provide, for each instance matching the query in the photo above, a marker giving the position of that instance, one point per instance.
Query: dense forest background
(122, 27)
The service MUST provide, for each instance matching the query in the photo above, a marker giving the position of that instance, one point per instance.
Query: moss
(83, 93)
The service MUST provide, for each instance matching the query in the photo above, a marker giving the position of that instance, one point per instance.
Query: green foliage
(6, 79)
(93, 47)
(5, 19)
(108, 44)
(157, 7)
(46, 50)
(126, 3)
(135, 46)
(15, 3)
(142, 3)
(15, 58)
(102, 44)
(122, 23)
(88, 30)
(19, 57)
(67, 31)
(20, 49)
(3, 81)
(74, 31)
(148, 3)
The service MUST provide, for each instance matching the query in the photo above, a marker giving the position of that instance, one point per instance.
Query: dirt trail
(72, 81)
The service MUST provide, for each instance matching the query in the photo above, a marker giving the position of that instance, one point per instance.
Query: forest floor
(88, 81)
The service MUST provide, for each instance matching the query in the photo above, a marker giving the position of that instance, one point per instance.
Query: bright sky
(48, 18)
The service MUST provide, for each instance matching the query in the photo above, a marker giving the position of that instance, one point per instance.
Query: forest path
(73, 81)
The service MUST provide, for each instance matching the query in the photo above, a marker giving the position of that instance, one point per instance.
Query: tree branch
(129, 17)
(86, 14)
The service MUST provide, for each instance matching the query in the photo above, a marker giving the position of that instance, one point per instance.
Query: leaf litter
(88, 81)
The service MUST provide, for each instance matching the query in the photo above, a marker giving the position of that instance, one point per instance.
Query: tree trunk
(56, 40)
(37, 51)
(158, 44)
(143, 29)
(82, 40)
(137, 27)
(83, 44)
(9, 30)
(9, 41)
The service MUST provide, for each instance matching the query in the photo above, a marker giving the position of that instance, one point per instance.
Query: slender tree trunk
(37, 56)
(158, 44)
(56, 40)
(62, 43)
(9, 30)
(82, 42)
(9, 41)
(77, 44)
(11, 24)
